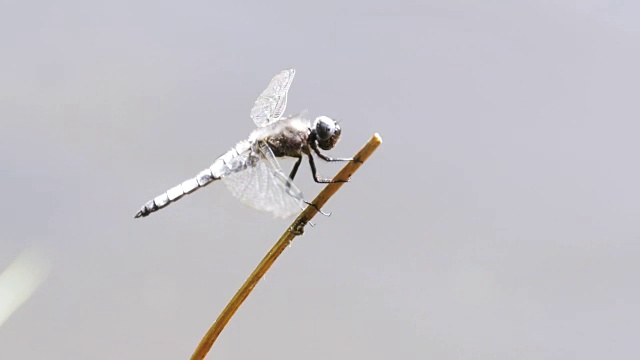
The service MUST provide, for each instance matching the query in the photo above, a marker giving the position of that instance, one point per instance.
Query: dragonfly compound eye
(325, 128)
(327, 132)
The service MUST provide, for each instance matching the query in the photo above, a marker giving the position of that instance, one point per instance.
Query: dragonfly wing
(271, 104)
(265, 187)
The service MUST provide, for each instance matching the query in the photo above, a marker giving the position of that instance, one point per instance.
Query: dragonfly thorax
(327, 132)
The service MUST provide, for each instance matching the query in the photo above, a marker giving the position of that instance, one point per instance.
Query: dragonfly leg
(294, 171)
(318, 209)
(317, 178)
(327, 158)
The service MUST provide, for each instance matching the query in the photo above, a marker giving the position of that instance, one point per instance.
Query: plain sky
(498, 220)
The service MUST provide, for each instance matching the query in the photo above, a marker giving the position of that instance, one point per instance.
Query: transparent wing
(264, 186)
(270, 105)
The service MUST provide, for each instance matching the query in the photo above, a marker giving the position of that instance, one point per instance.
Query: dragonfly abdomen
(226, 164)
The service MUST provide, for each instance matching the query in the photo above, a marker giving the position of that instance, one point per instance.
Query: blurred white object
(20, 280)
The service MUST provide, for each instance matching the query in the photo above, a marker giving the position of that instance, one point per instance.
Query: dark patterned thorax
(287, 137)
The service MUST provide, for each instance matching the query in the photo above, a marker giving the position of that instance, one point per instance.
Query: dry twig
(296, 228)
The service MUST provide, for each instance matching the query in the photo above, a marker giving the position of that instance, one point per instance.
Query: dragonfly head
(327, 132)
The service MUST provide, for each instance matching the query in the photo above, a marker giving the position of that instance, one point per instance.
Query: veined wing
(270, 105)
(264, 186)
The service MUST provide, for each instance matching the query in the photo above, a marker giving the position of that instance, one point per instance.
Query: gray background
(498, 220)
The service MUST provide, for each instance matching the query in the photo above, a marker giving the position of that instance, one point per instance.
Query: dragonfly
(250, 169)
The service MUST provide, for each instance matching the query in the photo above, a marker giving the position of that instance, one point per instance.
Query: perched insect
(250, 169)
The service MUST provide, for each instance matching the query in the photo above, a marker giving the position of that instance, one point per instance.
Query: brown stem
(296, 228)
